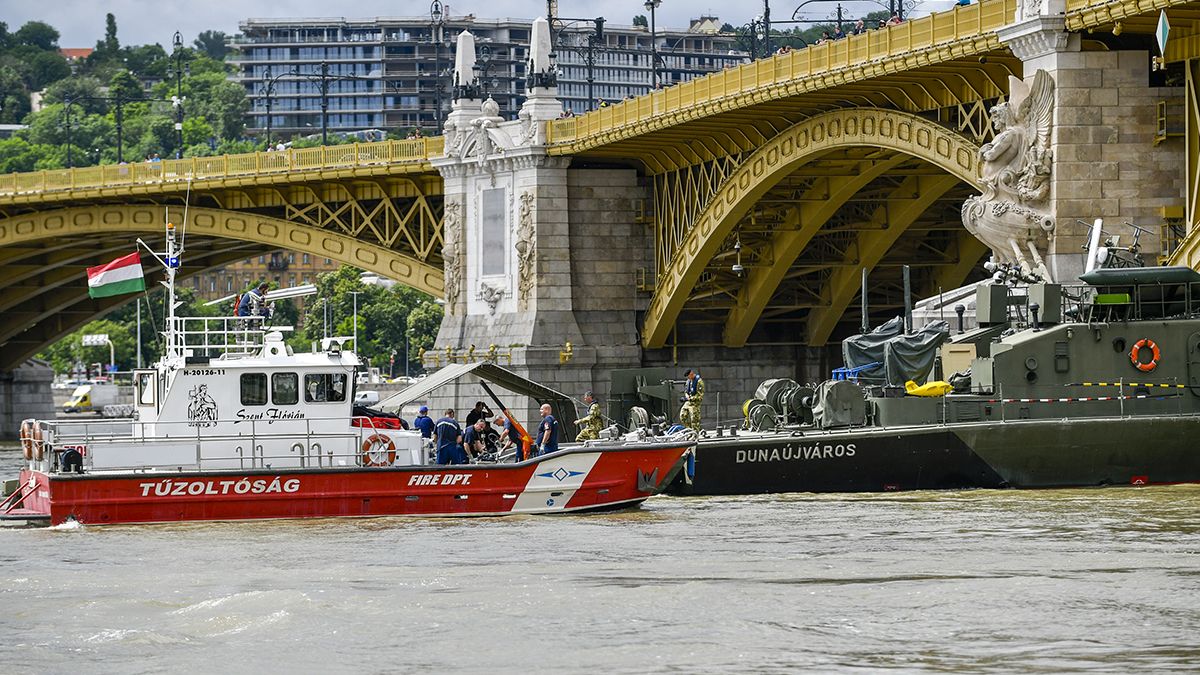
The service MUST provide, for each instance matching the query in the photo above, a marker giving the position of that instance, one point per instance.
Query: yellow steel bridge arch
(42, 255)
(901, 133)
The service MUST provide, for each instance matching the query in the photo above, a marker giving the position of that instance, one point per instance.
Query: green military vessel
(1059, 386)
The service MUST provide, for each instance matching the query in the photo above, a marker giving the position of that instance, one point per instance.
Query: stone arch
(900, 132)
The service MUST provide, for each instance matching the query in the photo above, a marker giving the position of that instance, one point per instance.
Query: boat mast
(169, 260)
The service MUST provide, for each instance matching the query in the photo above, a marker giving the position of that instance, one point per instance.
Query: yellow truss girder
(239, 225)
(970, 251)
(800, 226)
(939, 37)
(901, 210)
(703, 237)
(142, 179)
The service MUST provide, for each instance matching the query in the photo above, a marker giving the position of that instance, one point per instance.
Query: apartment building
(394, 73)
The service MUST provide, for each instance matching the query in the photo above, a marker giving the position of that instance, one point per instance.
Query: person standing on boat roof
(449, 441)
(424, 423)
(693, 394)
(254, 298)
(547, 433)
(591, 424)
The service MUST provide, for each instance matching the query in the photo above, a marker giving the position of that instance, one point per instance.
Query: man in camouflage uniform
(693, 394)
(592, 423)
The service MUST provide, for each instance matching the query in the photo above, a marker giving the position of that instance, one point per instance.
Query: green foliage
(38, 35)
(212, 43)
(640, 20)
(146, 61)
(385, 315)
(110, 45)
(65, 353)
(124, 85)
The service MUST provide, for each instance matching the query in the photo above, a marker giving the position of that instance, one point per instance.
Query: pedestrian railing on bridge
(331, 157)
(958, 24)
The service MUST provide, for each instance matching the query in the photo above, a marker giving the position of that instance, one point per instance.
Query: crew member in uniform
(693, 394)
(512, 438)
(547, 433)
(449, 441)
(424, 423)
(592, 423)
(473, 441)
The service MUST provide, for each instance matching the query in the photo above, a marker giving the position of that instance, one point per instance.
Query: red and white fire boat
(232, 425)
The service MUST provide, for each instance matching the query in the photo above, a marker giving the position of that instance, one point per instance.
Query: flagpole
(139, 332)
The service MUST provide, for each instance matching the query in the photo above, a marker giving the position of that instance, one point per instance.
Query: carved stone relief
(452, 252)
(491, 295)
(526, 250)
(1012, 216)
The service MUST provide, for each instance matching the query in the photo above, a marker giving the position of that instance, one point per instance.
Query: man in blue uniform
(449, 441)
(473, 441)
(547, 433)
(424, 423)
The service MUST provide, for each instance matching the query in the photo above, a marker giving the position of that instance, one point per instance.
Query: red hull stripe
(612, 479)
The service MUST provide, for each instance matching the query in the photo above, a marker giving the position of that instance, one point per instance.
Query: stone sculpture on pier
(1012, 216)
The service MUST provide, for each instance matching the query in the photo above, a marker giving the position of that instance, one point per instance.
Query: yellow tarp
(938, 388)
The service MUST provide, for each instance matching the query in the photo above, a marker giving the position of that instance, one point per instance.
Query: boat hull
(1022, 454)
(567, 481)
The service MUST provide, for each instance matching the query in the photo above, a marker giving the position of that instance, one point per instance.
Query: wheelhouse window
(146, 388)
(325, 388)
(285, 388)
(254, 388)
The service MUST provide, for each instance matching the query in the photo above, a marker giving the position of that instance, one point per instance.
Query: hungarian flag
(123, 275)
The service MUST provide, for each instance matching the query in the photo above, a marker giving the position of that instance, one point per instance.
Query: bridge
(743, 205)
(373, 205)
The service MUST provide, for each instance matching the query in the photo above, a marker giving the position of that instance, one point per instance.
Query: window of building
(285, 388)
(328, 261)
(304, 258)
(254, 388)
(325, 388)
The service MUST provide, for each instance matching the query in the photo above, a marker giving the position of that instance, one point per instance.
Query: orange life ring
(1155, 354)
(378, 450)
(27, 427)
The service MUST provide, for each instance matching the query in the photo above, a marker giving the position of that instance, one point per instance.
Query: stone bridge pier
(25, 393)
(1107, 159)
(540, 259)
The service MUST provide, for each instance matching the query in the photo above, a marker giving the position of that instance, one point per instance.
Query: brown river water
(1104, 580)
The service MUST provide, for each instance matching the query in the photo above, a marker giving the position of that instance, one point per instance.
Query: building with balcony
(395, 73)
(285, 268)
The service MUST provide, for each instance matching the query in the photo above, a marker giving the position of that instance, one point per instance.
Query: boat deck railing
(214, 336)
(309, 443)
(1085, 303)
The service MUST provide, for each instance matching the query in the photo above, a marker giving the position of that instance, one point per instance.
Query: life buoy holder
(1136, 352)
(378, 450)
(27, 427)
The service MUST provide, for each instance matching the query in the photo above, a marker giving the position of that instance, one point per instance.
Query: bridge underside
(790, 270)
(42, 298)
(390, 225)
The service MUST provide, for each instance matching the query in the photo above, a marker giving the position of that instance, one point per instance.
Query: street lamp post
(119, 102)
(177, 42)
(766, 22)
(652, 5)
(481, 70)
(437, 23)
